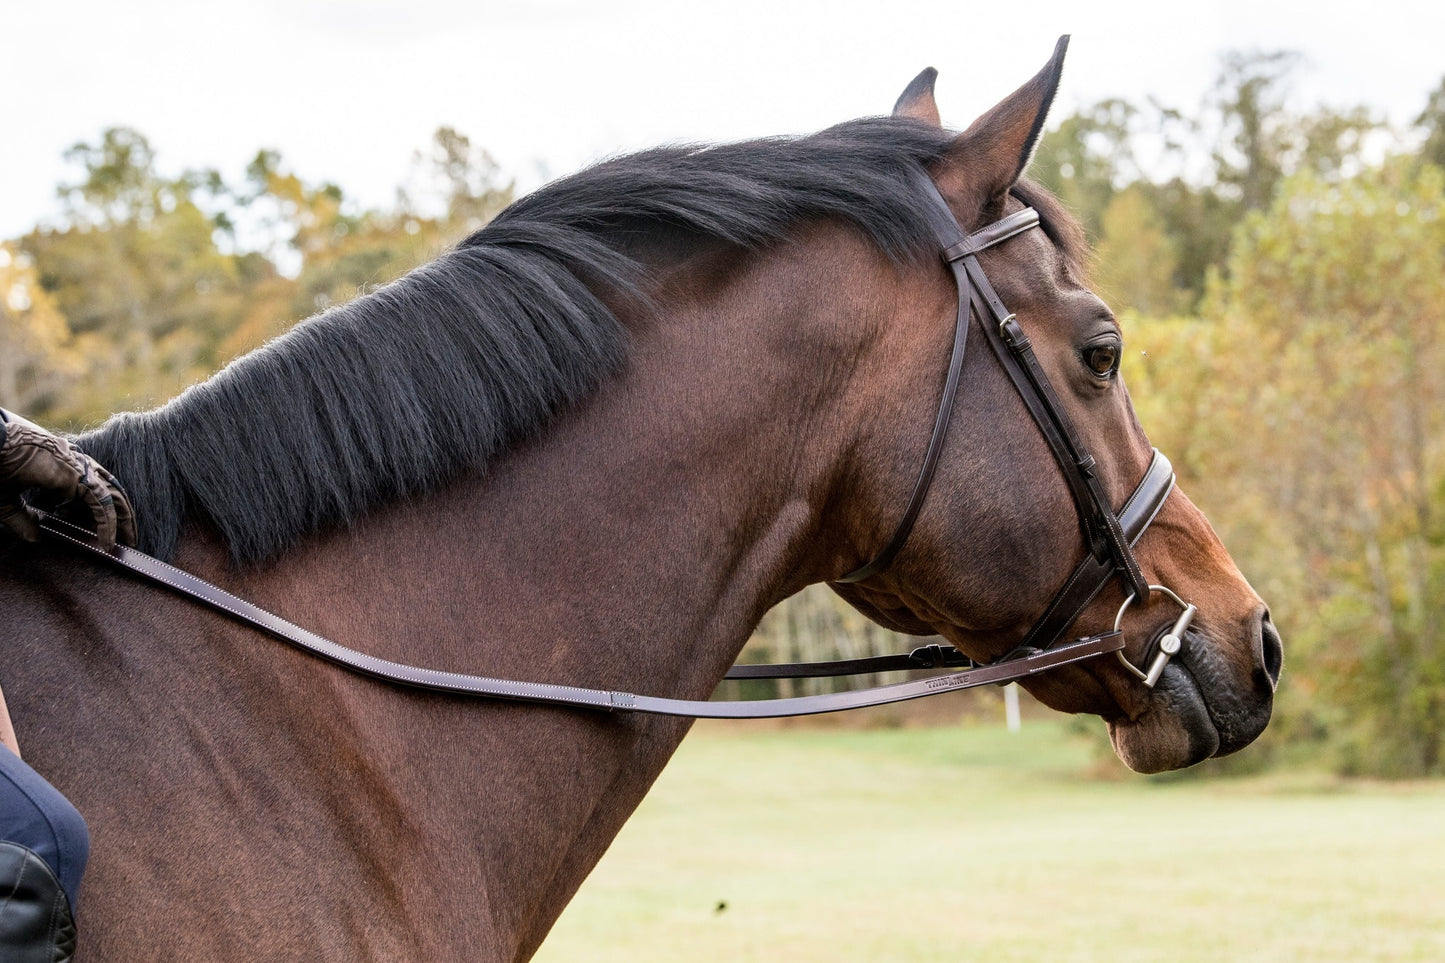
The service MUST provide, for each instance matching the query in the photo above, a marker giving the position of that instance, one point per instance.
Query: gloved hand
(33, 458)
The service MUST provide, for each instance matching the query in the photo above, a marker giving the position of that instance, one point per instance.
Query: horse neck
(652, 525)
(634, 546)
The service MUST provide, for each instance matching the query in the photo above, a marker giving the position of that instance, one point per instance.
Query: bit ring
(1170, 645)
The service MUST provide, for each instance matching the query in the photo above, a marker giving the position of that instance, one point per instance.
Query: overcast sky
(347, 90)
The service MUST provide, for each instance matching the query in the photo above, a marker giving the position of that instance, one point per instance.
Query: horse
(592, 444)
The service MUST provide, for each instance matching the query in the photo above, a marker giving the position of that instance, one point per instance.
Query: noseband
(1109, 537)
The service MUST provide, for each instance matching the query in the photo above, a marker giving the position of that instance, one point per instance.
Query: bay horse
(593, 444)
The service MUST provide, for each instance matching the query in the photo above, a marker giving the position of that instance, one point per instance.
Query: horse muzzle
(1202, 704)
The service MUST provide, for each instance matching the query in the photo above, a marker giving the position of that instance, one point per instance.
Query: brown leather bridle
(1110, 551)
(1109, 537)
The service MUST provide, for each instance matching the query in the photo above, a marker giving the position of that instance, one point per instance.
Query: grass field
(967, 843)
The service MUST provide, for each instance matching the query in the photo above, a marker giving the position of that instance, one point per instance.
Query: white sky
(347, 90)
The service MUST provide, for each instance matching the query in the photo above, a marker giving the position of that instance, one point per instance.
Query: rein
(1109, 537)
(197, 589)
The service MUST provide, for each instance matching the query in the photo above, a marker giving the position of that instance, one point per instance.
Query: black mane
(451, 366)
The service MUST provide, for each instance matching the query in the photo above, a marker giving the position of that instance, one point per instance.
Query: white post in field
(1011, 706)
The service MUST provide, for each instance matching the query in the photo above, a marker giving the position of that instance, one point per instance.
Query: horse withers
(592, 445)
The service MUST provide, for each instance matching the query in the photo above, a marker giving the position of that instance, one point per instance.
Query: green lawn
(967, 843)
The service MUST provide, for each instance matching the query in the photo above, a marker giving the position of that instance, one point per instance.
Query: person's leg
(44, 845)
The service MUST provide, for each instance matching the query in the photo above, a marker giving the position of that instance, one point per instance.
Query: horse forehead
(1031, 269)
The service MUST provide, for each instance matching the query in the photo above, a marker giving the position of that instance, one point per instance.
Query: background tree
(1089, 157)
(1250, 97)
(1198, 173)
(1137, 265)
(136, 271)
(160, 280)
(334, 251)
(1432, 122)
(463, 178)
(40, 359)
(1309, 418)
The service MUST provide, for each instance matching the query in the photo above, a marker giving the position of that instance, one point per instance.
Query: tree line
(1280, 273)
(1284, 307)
(150, 282)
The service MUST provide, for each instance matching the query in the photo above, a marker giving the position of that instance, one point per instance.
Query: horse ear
(998, 146)
(917, 101)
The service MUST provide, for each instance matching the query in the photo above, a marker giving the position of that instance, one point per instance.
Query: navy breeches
(35, 815)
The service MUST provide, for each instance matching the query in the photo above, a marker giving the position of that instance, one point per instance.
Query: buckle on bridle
(1170, 645)
(1013, 333)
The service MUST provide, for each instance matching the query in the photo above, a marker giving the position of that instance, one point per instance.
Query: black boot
(35, 921)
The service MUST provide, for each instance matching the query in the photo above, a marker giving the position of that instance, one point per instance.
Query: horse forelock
(450, 367)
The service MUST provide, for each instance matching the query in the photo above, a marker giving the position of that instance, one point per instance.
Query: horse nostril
(1272, 654)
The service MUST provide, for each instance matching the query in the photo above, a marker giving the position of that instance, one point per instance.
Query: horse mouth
(1177, 730)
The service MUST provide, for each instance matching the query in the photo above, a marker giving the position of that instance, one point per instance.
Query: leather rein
(1109, 537)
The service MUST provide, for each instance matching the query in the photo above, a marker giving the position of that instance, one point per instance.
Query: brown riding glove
(31, 458)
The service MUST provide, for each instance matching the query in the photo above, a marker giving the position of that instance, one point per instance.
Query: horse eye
(1102, 359)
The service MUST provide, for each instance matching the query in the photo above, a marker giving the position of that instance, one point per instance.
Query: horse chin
(1175, 731)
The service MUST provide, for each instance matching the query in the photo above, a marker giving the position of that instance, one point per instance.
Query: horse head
(999, 534)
